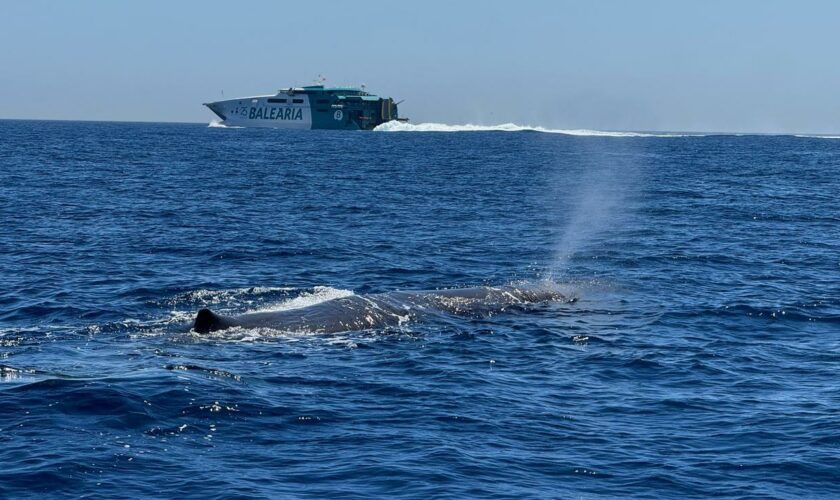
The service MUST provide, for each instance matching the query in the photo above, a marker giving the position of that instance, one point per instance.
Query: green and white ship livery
(311, 107)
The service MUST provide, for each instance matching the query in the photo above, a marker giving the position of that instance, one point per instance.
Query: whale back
(382, 310)
(207, 321)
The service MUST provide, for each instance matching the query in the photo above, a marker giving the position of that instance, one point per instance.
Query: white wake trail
(220, 124)
(396, 126)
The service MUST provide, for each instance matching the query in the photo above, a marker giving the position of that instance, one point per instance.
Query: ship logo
(338, 115)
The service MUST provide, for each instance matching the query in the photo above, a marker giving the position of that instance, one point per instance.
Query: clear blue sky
(740, 66)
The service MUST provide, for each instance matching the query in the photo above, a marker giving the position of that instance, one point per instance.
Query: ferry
(310, 107)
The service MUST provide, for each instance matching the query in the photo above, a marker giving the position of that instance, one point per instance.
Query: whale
(382, 310)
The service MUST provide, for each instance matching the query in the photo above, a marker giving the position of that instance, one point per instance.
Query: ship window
(297, 101)
(323, 110)
(323, 101)
(277, 100)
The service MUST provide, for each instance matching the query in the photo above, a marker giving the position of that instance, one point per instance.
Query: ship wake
(220, 124)
(397, 126)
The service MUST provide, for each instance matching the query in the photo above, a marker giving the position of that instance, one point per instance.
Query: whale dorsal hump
(207, 321)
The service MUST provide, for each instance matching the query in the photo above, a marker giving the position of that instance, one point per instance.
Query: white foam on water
(397, 126)
(251, 335)
(206, 295)
(316, 296)
(177, 317)
(818, 136)
(240, 334)
(566, 290)
(220, 124)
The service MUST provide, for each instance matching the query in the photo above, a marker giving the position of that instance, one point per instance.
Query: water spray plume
(597, 207)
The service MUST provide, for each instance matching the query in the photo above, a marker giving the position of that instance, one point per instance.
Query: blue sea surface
(701, 358)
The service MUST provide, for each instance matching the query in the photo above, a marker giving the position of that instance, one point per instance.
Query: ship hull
(307, 108)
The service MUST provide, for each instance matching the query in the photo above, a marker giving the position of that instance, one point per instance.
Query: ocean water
(700, 358)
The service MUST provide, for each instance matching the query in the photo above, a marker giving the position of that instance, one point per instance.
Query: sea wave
(397, 126)
(806, 136)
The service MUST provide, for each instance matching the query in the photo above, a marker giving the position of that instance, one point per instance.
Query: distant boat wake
(219, 124)
(363, 312)
(396, 126)
(815, 136)
(399, 126)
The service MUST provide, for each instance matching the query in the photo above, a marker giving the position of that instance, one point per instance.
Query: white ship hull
(259, 112)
